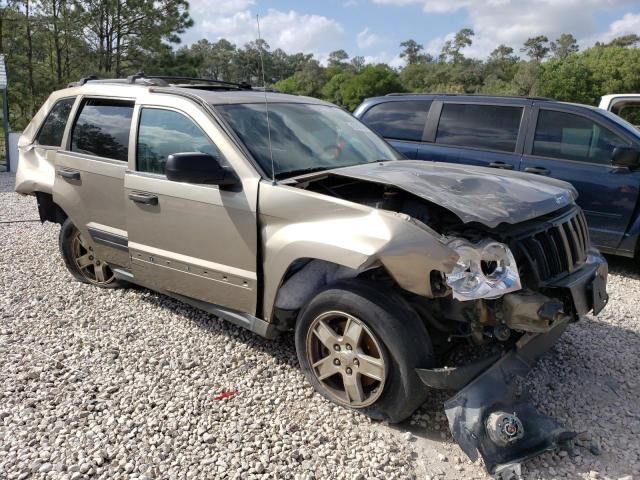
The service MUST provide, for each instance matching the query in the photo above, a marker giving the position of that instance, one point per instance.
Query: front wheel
(359, 347)
(81, 260)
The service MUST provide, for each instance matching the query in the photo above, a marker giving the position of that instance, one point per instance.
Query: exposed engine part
(531, 311)
(502, 333)
(504, 428)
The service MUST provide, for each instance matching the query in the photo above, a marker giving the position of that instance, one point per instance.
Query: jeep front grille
(560, 248)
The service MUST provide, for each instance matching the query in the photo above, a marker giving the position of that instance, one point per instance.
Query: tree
(349, 90)
(413, 53)
(502, 53)
(536, 48)
(338, 59)
(452, 49)
(122, 33)
(357, 64)
(309, 81)
(625, 41)
(565, 45)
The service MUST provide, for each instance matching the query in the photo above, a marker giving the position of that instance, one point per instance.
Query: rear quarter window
(398, 120)
(52, 129)
(489, 127)
(102, 128)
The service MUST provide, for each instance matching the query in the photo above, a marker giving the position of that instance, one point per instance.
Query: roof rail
(170, 79)
(82, 81)
(468, 95)
(165, 81)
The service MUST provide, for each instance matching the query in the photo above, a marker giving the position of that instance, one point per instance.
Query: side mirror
(626, 157)
(197, 167)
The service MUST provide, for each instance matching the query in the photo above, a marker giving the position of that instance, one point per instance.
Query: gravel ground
(124, 384)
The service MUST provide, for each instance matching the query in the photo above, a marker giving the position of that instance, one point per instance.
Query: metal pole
(5, 118)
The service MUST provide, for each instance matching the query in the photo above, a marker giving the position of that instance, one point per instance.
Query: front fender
(300, 224)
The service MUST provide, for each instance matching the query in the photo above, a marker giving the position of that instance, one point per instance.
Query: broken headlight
(485, 269)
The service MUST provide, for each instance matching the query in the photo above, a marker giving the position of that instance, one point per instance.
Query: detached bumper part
(489, 416)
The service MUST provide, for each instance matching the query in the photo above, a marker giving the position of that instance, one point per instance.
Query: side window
(164, 132)
(53, 127)
(573, 137)
(398, 120)
(491, 127)
(102, 128)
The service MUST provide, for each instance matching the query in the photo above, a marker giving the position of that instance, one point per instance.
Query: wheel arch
(49, 210)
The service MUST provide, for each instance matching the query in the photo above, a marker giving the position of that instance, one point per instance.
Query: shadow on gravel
(624, 266)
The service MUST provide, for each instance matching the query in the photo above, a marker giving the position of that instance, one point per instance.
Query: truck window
(53, 127)
(165, 132)
(489, 127)
(398, 120)
(102, 128)
(573, 137)
(629, 110)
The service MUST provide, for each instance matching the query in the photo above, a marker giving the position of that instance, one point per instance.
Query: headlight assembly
(485, 269)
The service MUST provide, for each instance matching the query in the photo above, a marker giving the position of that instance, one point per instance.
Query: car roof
(207, 93)
(506, 99)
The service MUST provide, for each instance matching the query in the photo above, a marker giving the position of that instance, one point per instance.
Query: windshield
(304, 137)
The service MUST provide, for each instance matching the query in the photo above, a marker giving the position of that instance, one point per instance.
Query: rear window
(102, 128)
(398, 120)
(490, 127)
(53, 127)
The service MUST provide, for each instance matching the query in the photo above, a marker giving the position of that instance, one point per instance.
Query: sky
(374, 28)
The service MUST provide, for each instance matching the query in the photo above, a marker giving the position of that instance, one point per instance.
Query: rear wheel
(359, 347)
(81, 260)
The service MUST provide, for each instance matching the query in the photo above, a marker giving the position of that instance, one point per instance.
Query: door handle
(144, 198)
(537, 170)
(69, 174)
(502, 165)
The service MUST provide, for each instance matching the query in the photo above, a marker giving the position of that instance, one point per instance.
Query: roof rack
(166, 81)
(468, 95)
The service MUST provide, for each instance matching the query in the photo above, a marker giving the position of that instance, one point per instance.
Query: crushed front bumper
(489, 415)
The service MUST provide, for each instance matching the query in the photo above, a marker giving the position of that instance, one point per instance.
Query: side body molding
(297, 224)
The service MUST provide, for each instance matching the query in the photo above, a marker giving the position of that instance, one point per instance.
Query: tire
(389, 332)
(81, 262)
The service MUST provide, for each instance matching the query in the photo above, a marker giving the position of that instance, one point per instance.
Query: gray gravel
(123, 384)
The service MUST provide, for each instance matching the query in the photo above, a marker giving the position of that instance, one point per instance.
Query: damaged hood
(474, 194)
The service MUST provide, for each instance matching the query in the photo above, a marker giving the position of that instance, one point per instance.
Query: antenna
(266, 102)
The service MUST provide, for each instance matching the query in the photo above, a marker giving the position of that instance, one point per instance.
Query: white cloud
(365, 39)
(393, 60)
(628, 24)
(291, 31)
(513, 21)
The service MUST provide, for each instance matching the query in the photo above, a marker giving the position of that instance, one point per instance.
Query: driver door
(199, 241)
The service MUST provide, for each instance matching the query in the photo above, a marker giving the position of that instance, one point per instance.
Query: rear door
(577, 147)
(89, 175)
(482, 134)
(195, 240)
(401, 123)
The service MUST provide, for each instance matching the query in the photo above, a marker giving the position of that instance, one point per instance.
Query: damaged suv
(279, 212)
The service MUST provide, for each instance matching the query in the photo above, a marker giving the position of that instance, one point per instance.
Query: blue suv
(593, 149)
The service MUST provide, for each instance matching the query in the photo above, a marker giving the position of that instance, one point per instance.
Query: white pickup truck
(625, 105)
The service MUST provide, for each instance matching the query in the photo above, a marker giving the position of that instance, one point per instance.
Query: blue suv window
(573, 137)
(398, 120)
(489, 127)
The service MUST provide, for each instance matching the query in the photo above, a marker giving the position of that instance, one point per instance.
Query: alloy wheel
(346, 358)
(90, 267)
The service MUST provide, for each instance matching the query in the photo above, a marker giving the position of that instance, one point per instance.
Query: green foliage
(350, 89)
(413, 53)
(536, 48)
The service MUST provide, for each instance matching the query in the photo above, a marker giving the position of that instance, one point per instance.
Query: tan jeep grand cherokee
(279, 212)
